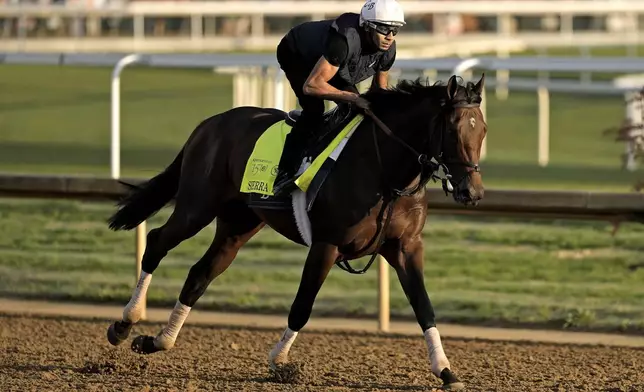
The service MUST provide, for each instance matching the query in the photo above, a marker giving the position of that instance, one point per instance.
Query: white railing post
(544, 126)
(115, 156)
(115, 161)
(383, 294)
(465, 66)
(633, 120)
(279, 90)
(502, 78)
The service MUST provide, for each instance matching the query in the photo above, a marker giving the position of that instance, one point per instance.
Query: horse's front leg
(406, 257)
(318, 263)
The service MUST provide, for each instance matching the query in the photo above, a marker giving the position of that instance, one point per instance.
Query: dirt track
(43, 354)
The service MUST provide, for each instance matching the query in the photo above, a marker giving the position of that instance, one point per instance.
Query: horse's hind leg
(407, 259)
(235, 226)
(185, 221)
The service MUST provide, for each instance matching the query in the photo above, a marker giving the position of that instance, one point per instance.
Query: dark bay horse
(380, 176)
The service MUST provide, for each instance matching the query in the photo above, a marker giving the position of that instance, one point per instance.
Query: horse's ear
(452, 87)
(478, 88)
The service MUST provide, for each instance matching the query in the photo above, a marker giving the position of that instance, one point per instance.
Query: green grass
(478, 270)
(485, 271)
(56, 120)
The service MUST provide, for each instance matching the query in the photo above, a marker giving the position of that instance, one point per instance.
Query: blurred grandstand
(240, 24)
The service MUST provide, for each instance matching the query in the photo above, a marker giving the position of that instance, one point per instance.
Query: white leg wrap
(134, 308)
(168, 335)
(437, 358)
(279, 353)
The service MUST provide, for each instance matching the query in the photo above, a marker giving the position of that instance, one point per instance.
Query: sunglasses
(383, 29)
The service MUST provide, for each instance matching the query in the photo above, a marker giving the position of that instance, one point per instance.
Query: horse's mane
(418, 97)
(406, 91)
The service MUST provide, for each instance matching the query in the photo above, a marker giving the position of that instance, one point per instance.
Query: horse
(411, 131)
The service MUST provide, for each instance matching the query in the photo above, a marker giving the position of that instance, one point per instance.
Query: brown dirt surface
(59, 354)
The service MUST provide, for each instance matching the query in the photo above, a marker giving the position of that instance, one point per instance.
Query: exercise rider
(324, 60)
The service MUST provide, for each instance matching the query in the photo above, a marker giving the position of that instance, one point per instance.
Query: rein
(422, 158)
(425, 175)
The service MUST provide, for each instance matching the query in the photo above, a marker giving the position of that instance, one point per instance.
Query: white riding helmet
(387, 12)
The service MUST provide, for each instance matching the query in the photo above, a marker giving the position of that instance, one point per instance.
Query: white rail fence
(258, 80)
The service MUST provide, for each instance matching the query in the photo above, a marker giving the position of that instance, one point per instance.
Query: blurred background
(562, 105)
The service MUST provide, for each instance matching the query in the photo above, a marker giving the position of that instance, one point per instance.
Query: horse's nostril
(476, 195)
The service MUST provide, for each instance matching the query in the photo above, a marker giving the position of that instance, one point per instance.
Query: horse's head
(446, 120)
(463, 136)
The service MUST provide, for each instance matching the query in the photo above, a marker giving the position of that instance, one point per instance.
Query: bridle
(429, 167)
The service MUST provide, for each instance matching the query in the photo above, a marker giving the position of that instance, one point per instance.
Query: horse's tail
(147, 199)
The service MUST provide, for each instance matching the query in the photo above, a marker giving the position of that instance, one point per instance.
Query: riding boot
(291, 159)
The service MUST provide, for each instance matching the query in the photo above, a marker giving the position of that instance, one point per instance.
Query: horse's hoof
(118, 332)
(450, 381)
(144, 344)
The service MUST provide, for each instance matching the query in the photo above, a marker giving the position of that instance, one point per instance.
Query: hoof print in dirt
(290, 373)
(111, 366)
(98, 368)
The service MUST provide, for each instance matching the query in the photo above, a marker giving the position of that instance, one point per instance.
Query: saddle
(334, 121)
